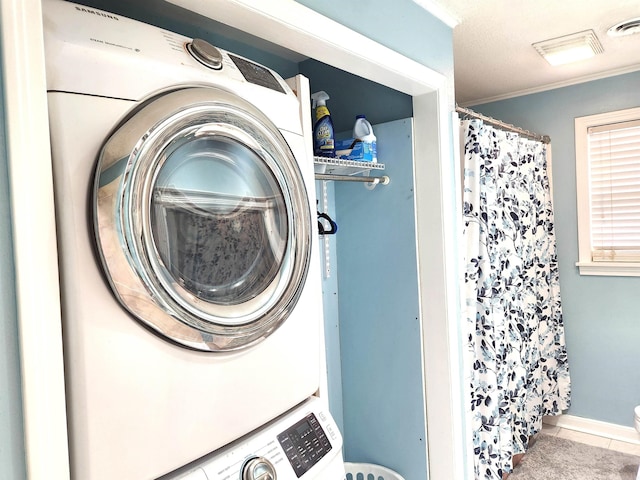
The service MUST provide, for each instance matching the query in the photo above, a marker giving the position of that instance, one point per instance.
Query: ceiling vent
(570, 48)
(628, 27)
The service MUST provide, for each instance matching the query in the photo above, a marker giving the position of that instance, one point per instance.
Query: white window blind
(614, 181)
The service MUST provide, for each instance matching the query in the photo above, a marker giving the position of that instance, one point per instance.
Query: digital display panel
(304, 444)
(257, 74)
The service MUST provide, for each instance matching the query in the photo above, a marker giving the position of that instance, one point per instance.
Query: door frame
(34, 240)
(302, 30)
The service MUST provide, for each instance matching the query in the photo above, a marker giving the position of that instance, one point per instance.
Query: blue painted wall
(382, 390)
(11, 433)
(601, 313)
(382, 387)
(377, 301)
(351, 95)
(401, 25)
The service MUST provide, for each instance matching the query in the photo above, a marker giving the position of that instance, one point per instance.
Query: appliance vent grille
(569, 48)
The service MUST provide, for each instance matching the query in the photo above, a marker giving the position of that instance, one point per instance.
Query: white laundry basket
(369, 471)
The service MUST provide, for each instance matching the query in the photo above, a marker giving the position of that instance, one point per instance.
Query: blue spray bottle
(323, 139)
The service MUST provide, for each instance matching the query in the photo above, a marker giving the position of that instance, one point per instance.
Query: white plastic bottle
(363, 131)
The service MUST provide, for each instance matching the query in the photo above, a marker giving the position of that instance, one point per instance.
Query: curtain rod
(506, 126)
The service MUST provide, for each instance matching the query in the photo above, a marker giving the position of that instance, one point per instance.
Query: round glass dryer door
(202, 219)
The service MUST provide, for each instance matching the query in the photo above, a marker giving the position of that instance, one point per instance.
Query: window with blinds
(614, 187)
(608, 193)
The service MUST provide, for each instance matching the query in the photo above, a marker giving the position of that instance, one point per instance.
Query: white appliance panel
(302, 444)
(132, 395)
(138, 405)
(113, 56)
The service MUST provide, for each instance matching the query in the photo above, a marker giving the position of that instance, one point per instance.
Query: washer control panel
(303, 443)
(147, 58)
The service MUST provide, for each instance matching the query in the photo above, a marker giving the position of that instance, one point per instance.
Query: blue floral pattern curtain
(516, 352)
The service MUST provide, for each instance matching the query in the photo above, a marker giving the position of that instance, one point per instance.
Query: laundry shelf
(327, 168)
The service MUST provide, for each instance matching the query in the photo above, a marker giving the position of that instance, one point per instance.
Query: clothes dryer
(184, 197)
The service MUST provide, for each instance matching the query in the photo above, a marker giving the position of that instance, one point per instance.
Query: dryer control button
(205, 53)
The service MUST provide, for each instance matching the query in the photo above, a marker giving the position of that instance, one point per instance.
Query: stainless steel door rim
(204, 165)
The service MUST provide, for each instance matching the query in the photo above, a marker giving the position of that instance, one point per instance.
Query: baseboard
(595, 427)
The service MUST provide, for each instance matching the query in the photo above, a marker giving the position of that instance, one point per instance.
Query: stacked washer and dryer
(192, 309)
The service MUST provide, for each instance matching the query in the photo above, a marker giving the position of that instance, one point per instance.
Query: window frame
(585, 263)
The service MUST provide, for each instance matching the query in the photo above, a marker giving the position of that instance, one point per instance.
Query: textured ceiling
(494, 58)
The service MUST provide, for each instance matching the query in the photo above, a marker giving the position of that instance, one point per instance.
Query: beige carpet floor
(553, 458)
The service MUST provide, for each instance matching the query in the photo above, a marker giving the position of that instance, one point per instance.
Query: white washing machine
(302, 444)
(184, 196)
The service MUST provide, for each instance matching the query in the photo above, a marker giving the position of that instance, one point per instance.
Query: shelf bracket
(382, 180)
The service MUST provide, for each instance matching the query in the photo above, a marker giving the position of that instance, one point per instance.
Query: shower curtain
(515, 350)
